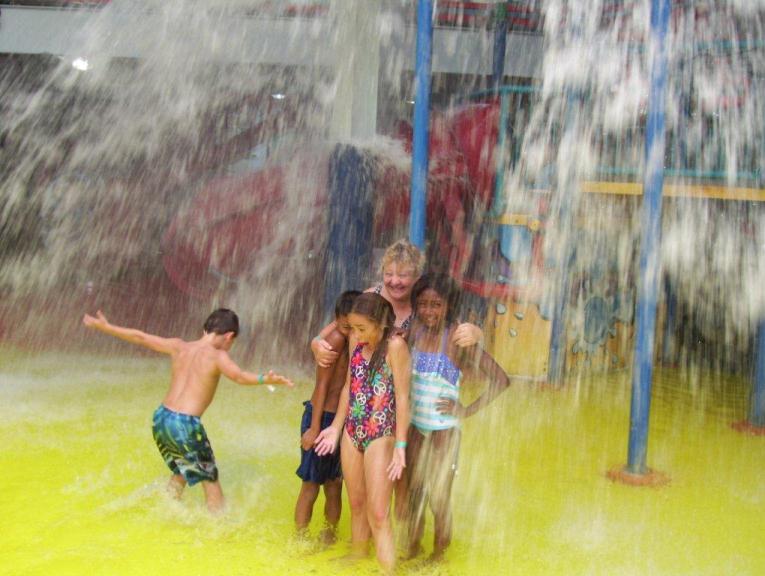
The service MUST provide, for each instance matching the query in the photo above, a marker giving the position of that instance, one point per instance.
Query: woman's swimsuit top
(407, 321)
(371, 403)
(434, 377)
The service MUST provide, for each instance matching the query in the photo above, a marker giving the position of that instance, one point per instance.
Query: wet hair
(344, 302)
(379, 311)
(222, 321)
(442, 285)
(403, 252)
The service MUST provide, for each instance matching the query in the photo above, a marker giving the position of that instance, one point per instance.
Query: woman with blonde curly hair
(401, 266)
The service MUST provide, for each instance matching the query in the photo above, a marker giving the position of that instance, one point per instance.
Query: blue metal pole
(499, 202)
(557, 357)
(567, 185)
(757, 408)
(650, 263)
(500, 45)
(498, 71)
(421, 121)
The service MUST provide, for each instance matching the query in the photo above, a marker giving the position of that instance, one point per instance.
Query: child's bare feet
(437, 555)
(359, 551)
(413, 551)
(302, 534)
(328, 536)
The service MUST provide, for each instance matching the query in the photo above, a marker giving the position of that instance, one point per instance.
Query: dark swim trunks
(183, 443)
(314, 468)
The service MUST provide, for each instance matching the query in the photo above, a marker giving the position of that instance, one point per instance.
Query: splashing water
(84, 486)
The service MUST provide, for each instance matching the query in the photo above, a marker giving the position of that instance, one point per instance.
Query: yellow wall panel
(518, 338)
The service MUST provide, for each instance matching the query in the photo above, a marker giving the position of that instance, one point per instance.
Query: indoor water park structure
(589, 173)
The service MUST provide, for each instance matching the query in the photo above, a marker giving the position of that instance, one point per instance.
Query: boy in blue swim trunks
(196, 369)
(316, 471)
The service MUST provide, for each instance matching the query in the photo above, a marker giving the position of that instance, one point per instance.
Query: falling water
(168, 161)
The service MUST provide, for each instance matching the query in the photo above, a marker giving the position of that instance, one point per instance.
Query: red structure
(226, 226)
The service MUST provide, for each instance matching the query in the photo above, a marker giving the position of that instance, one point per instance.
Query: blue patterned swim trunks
(183, 444)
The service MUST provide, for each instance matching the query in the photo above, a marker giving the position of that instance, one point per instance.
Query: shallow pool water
(83, 482)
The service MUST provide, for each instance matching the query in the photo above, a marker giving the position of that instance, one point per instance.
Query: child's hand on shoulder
(323, 352)
(467, 334)
(397, 342)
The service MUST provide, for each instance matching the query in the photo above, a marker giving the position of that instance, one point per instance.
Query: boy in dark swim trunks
(196, 369)
(319, 413)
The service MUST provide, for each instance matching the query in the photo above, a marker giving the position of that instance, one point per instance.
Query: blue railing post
(557, 356)
(757, 407)
(650, 263)
(498, 71)
(418, 198)
(500, 166)
(500, 45)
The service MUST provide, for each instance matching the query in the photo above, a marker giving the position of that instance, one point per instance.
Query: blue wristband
(400, 443)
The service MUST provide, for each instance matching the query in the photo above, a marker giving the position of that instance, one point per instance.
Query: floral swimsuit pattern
(372, 404)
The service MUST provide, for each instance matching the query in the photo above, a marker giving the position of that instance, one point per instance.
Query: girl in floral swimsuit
(372, 402)
(374, 412)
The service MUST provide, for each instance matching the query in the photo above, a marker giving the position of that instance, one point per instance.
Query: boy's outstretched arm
(156, 343)
(232, 371)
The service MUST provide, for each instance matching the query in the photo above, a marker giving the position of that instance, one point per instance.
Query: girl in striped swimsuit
(434, 436)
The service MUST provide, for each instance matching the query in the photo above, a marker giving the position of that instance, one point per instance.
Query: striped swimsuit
(434, 377)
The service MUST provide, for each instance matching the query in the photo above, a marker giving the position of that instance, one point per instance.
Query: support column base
(649, 478)
(746, 427)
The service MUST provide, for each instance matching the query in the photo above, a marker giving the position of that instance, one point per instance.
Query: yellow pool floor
(82, 486)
